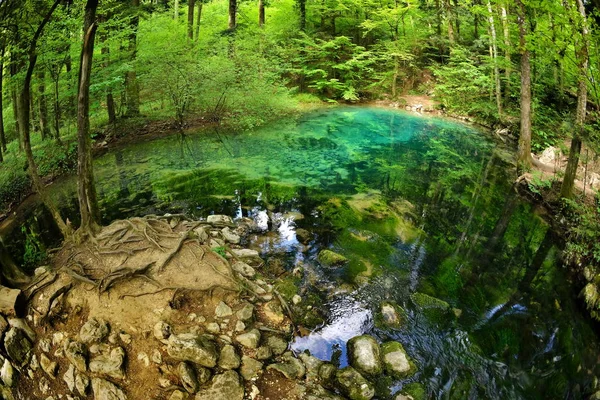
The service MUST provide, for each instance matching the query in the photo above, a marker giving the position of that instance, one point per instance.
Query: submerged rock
(303, 236)
(352, 384)
(364, 355)
(436, 310)
(395, 360)
(331, 259)
(226, 386)
(390, 316)
(195, 348)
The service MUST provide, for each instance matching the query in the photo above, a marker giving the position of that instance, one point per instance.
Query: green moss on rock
(331, 259)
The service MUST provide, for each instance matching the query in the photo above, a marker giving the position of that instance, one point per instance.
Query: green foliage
(539, 183)
(220, 250)
(34, 250)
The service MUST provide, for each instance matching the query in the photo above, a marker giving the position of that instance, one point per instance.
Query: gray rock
(230, 236)
(240, 326)
(44, 385)
(177, 395)
(228, 358)
(76, 352)
(395, 360)
(21, 324)
(202, 233)
(69, 377)
(219, 219)
(199, 349)
(7, 373)
(246, 313)
(203, 375)
(213, 327)
(251, 368)
(94, 330)
(277, 345)
(45, 345)
(364, 355)
(17, 346)
(245, 253)
(250, 339)
(6, 393)
(226, 386)
(82, 382)
(290, 367)
(105, 390)
(273, 313)
(162, 330)
(264, 353)
(188, 377)
(296, 299)
(352, 384)
(110, 364)
(48, 366)
(3, 325)
(223, 310)
(243, 269)
(312, 364)
(327, 373)
(389, 315)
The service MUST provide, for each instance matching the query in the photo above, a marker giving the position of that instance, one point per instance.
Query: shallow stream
(424, 210)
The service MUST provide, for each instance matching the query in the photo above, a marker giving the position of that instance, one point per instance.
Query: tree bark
(176, 10)
(261, 13)
(495, 59)
(232, 14)
(110, 100)
(86, 190)
(190, 27)
(566, 190)
(2, 135)
(302, 7)
(198, 16)
(132, 88)
(42, 105)
(524, 159)
(507, 70)
(14, 69)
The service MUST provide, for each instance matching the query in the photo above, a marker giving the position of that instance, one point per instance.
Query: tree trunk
(507, 70)
(198, 19)
(24, 120)
(566, 190)
(302, 7)
(42, 105)
(232, 14)
(86, 190)
(190, 27)
(14, 70)
(110, 101)
(57, 107)
(9, 272)
(495, 59)
(524, 159)
(2, 135)
(176, 10)
(132, 88)
(261, 13)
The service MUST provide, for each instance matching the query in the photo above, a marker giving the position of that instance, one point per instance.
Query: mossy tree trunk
(524, 160)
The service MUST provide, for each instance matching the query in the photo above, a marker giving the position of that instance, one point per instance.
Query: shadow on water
(425, 213)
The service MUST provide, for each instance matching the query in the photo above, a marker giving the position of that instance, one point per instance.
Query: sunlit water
(415, 204)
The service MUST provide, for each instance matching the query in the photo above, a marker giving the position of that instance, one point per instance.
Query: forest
(81, 80)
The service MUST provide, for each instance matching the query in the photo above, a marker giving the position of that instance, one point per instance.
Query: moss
(414, 390)
(436, 310)
(288, 287)
(382, 323)
(396, 347)
(331, 259)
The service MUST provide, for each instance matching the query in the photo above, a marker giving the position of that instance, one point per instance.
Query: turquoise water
(418, 205)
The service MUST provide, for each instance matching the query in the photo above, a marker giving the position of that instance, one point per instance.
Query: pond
(423, 209)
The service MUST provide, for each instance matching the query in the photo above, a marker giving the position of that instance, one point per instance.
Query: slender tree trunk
(198, 16)
(524, 159)
(24, 120)
(57, 110)
(302, 7)
(42, 105)
(507, 69)
(495, 59)
(88, 203)
(110, 100)
(14, 69)
(2, 135)
(449, 17)
(176, 10)
(566, 190)
(190, 27)
(132, 88)
(232, 14)
(261, 13)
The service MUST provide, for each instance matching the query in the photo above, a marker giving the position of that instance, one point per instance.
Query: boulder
(246, 313)
(105, 390)
(94, 330)
(228, 359)
(17, 346)
(331, 259)
(188, 377)
(7, 373)
(226, 386)
(352, 384)
(290, 367)
(110, 364)
(327, 373)
(223, 310)
(69, 377)
(273, 313)
(303, 236)
(277, 345)
(162, 330)
(251, 368)
(76, 352)
(230, 236)
(395, 360)
(198, 349)
(313, 365)
(250, 339)
(364, 355)
(82, 382)
(264, 353)
(389, 315)
(245, 253)
(48, 366)
(243, 269)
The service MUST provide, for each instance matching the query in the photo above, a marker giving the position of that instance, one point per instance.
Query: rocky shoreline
(228, 342)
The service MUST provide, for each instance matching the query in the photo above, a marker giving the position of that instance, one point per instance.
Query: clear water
(415, 204)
